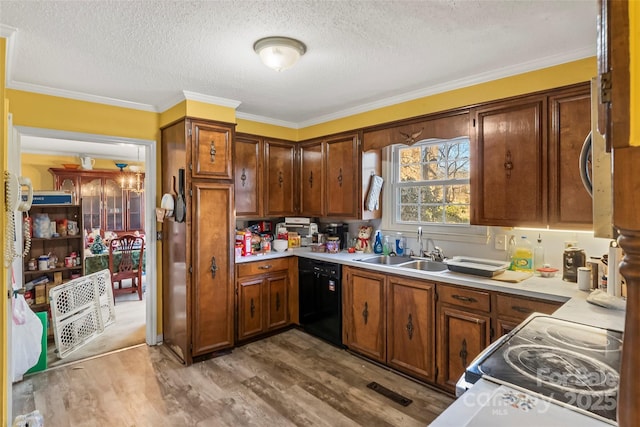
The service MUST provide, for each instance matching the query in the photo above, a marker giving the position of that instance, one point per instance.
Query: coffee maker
(338, 230)
(571, 260)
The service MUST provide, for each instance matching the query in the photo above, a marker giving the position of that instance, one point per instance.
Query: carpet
(128, 330)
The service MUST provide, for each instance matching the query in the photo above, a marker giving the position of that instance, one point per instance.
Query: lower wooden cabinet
(364, 313)
(462, 335)
(411, 327)
(511, 310)
(263, 297)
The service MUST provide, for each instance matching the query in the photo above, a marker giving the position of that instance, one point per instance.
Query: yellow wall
(4, 377)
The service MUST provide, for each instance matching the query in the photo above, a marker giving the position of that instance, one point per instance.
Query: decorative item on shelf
(70, 166)
(97, 247)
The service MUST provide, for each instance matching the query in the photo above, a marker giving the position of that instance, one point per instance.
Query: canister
(32, 264)
(43, 262)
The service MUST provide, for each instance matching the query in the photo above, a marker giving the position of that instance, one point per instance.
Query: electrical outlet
(501, 242)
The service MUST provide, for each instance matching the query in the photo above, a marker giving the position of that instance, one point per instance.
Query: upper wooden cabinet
(508, 186)
(211, 150)
(279, 184)
(334, 176)
(312, 178)
(248, 175)
(105, 205)
(570, 206)
(525, 161)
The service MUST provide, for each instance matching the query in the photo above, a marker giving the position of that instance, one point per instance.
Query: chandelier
(130, 181)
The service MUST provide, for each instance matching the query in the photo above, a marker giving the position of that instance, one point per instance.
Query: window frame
(449, 232)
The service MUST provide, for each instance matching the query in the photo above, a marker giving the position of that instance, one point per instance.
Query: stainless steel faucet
(437, 254)
(420, 250)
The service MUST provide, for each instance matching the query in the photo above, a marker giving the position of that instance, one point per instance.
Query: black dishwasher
(320, 299)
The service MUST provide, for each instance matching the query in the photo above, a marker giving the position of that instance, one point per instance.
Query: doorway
(146, 152)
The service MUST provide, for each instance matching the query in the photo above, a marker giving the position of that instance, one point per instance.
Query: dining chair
(124, 265)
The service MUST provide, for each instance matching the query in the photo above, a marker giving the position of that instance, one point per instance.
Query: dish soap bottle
(538, 255)
(377, 246)
(523, 256)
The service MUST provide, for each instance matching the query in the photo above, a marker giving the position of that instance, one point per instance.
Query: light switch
(501, 242)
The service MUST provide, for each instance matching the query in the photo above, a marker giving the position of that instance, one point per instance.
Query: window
(431, 182)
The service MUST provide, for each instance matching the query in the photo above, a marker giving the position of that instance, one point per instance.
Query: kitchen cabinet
(570, 205)
(364, 312)
(263, 296)
(411, 327)
(105, 205)
(525, 161)
(61, 247)
(464, 330)
(511, 310)
(508, 170)
(248, 175)
(335, 175)
(198, 264)
(312, 178)
(279, 182)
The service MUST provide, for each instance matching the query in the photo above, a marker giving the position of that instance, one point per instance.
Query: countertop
(575, 307)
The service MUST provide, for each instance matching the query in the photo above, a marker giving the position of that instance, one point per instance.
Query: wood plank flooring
(290, 379)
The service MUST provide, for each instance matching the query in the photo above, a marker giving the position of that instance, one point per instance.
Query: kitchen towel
(373, 199)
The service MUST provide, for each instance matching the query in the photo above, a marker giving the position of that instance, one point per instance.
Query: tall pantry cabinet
(197, 254)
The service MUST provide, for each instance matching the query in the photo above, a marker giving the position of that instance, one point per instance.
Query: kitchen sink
(425, 265)
(385, 260)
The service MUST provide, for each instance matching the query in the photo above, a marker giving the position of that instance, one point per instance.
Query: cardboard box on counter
(50, 286)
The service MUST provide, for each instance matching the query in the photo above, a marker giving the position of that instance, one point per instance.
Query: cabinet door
(211, 150)
(343, 171)
(410, 328)
(365, 322)
(276, 287)
(311, 179)
(250, 307)
(509, 186)
(570, 206)
(212, 257)
(114, 202)
(91, 194)
(279, 182)
(135, 211)
(248, 177)
(463, 335)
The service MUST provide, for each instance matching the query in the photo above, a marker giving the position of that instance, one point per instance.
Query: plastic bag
(19, 309)
(26, 338)
(32, 419)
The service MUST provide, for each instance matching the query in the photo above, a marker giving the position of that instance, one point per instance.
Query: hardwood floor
(285, 380)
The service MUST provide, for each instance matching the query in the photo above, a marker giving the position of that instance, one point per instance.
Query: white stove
(565, 363)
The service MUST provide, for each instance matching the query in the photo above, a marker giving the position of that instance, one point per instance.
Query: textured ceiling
(360, 53)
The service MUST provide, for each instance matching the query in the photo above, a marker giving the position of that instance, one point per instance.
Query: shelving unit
(61, 246)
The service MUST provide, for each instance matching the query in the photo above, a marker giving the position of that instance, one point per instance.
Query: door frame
(150, 188)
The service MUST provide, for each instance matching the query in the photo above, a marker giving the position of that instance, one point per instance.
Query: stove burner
(582, 339)
(562, 369)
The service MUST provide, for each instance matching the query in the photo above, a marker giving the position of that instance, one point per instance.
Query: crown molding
(9, 33)
(488, 76)
(266, 120)
(215, 100)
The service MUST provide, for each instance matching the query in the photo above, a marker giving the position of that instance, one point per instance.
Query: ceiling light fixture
(279, 53)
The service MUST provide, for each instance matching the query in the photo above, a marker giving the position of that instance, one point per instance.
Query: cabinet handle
(280, 179)
(214, 267)
(277, 301)
(463, 353)
(212, 152)
(252, 308)
(265, 267)
(463, 298)
(410, 327)
(311, 179)
(519, 309)
(365, 312)
(340, 178)
(508, 164)
(243, 177)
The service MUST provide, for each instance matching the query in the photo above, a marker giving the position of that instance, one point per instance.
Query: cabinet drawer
(462, 297)
(520, 308)
(261, 267)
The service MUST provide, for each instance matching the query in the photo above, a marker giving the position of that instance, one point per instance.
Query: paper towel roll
(614, 280)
